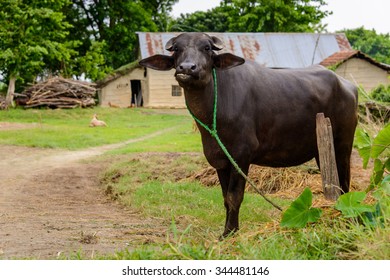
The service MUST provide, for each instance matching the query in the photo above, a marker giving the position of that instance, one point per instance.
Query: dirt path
(51, 206)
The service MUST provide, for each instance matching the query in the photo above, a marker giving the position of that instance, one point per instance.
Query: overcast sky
(346, 13)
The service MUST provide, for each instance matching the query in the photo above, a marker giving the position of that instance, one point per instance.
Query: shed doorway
(136, 93)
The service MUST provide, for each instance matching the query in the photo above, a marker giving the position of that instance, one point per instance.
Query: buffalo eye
(175, 49)
(207, 48)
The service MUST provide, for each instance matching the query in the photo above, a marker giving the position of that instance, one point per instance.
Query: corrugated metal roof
(279, 50)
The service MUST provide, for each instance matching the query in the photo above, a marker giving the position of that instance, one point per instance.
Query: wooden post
(327, 158)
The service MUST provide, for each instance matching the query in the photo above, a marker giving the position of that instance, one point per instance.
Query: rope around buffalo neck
(214, 134)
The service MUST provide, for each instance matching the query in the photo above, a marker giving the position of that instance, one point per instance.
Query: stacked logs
(61, 93)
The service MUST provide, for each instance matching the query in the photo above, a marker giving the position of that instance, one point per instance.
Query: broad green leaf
(383, 192)
(386, 182)
(375, 218)
(350, 204)
(300, 212)
(381, 142)
(387, 164)
(363, 144)
(314, 214)
(377, 174)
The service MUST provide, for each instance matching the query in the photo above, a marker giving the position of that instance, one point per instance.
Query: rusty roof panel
(280, 50)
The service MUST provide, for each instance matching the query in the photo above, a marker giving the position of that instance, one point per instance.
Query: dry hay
(290, 182)
(285, 182)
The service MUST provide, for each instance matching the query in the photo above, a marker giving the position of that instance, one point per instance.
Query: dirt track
(51, 206)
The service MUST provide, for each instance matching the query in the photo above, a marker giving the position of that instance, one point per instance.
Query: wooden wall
(118, 91)
(363, 73)
(156, 90)
(160, 90)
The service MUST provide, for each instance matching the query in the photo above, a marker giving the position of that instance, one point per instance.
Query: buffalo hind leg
(344, 170)
(343, 161)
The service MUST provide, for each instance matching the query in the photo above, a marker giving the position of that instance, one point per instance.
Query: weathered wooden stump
(327, 158)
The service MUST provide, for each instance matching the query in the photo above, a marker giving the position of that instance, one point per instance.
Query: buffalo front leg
(233, 187)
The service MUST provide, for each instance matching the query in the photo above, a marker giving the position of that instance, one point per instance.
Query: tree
(276, 15)
(214, 20)
(369, 42)
(114, 24)
(258, 16)
(32, 37)
(160, 9)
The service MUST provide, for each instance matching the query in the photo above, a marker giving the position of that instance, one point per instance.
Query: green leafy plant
(381, 93)
(351, 204)
(301, 212)
(376, 149)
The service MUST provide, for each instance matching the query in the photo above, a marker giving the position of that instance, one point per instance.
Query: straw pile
(286, 182)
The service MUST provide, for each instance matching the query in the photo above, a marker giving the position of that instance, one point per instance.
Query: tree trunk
(10, 92)
(327, 158)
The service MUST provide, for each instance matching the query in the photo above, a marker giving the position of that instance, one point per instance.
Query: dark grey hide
(265, 116)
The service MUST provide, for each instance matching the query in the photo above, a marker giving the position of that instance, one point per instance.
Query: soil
(52, 205)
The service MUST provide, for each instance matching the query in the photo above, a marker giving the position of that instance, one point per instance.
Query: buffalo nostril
(187, 66)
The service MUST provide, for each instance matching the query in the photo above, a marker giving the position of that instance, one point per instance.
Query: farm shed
(359, 68)
(132, 83)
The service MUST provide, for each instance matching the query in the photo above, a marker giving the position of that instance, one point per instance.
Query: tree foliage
(257, 16)
(214, 20)
(30, 34)
(33, 39)
(114, 24)
(368, 41)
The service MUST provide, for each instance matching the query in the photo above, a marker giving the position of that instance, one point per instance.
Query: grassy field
(154, 177)
(69, 129)
(194, 218)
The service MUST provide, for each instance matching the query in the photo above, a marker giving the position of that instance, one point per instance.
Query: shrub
(381, 93)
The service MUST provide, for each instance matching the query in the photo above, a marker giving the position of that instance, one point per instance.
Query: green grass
(181, 139)
(69, 129)
(152, 177)
(157, 185)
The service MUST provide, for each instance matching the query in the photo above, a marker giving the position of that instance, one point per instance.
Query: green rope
(213, 133)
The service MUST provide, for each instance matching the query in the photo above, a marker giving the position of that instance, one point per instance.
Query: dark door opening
(136, 94)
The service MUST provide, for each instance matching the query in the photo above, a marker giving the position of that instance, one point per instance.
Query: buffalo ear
(158, 62)
(227, 60)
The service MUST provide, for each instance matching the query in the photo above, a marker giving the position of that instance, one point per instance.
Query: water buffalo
(265, 116)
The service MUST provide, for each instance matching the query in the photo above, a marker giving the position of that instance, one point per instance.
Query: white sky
(346, 13)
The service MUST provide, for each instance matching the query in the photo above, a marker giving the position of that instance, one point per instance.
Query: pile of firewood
(58, 92)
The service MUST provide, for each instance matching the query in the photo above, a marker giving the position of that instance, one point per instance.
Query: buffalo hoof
(228, 234)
